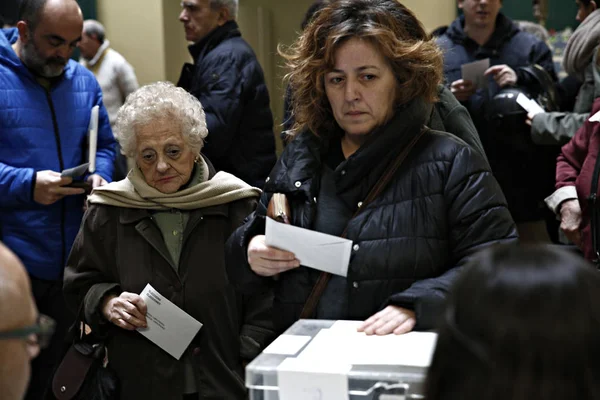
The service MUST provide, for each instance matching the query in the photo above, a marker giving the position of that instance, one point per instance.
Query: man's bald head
(17, 307)
(49, 31)
(34, 11)
(17, 310)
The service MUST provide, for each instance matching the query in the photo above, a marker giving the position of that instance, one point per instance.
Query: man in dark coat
(483, 32)
(228, 80)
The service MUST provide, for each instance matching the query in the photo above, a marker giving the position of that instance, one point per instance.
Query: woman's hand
(269, 261)
(391, 319)
(570, 220)
(127, 311)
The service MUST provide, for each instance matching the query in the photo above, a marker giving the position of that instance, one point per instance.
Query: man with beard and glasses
(45, 106)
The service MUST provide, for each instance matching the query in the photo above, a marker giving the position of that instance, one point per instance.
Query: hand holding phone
(77, 173)
(50, 187)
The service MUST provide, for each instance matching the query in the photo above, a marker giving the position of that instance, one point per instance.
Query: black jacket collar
(504, 31)
(228, 30)
(302, 158)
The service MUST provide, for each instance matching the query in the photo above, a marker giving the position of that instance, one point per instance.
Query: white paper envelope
(531, 106)
(314, 249)
(595, 117)
(169, 327)
(474, 71)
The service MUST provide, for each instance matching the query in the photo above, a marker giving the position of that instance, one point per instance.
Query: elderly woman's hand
(127, 311)
(269, 261)
(570, 220)
(391, 319)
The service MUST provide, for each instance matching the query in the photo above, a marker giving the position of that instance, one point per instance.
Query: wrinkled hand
(462, 89)
(570, 220)
(269, 261)
(49, 187)
(503, 75)
(391, 319)
(127, 311)
(96, 180)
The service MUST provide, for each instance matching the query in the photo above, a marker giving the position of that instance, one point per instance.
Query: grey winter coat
(559, 127)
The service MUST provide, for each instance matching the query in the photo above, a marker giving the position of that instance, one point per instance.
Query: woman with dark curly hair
(522, 323)
(364, 75)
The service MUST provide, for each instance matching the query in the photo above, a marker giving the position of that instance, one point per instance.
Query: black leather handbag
(84, 372)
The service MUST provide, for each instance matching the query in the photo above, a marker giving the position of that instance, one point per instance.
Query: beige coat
(116, 78)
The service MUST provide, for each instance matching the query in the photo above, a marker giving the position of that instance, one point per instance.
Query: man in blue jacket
(228, 80)
(45, 105)
(483, 32)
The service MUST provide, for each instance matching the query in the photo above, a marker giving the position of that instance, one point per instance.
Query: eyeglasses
(42, 330)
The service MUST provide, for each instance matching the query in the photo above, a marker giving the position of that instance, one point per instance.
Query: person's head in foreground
(521, 323)
(162, 128)
(356, 63)
(21, 332)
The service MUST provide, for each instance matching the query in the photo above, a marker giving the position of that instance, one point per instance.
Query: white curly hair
(158, 101)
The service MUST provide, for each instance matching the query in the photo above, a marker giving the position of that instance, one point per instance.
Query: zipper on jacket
(63, 211)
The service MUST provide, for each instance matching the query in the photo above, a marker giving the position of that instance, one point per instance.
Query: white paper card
(287, 345)
(169, 327)
(474, 72)
(411, 349)
(314, 249)
(323, 380)
(531, 106)
(345, 325)
(93, 138)
(595, 117)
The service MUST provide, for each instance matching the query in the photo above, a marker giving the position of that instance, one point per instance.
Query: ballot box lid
(315, 358)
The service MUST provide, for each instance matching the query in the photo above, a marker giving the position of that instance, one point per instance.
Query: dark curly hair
(391, 27)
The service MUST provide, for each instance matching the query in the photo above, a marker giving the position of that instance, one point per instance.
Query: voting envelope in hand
(314, 249)
(474, 72)
(169, 327)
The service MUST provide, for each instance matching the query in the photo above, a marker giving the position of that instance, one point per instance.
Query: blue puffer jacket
(44, 130)
(524, 173)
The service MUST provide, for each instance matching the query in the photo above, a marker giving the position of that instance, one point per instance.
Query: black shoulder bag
(84, 373)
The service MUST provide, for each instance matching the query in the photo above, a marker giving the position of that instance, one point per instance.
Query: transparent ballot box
(330, 360)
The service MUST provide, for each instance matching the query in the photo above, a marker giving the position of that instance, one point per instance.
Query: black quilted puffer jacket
(442, 205)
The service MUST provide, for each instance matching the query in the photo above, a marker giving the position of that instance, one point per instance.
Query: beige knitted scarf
(580, 47)
(134, 192)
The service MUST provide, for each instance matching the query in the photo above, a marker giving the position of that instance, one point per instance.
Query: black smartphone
(77, 173)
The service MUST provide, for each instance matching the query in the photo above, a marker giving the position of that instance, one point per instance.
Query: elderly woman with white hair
(166, 225)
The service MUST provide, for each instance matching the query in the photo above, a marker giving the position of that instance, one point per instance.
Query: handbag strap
(319, 287)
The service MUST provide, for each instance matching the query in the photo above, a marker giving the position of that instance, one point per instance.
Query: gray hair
(232, 6)
(158, 101)
(92, 27)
